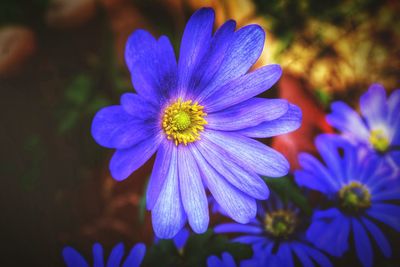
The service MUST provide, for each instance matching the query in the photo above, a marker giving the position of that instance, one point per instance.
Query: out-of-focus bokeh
(62, 60)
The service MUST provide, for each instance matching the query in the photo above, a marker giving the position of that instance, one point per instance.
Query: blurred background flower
(60, 61)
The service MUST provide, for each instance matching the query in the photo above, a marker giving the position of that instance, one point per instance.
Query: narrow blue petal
(181, 238)
(310, 180)
(244, 179)
(124, 162)
(242, 88)
(193, 195)
(391, 193)
(113, 127)
(213, 261)
(313, 167)
(346, 119)
(379, 237)
(317, 256)
(362, 243)
(98, 257)
(247, 114)
(142, 60)
(167, 67)
(287, 123)
(386, 213)
(116, 255)
(243, 51)
(373, 105)
(228, 260)
(168, 215)
(250, 153)
(302, 255)
(285, 255)
(137, 106)
(327, 214)
(195, 42)
(237, 205)
(73, 258)
(211, 62)
(159, 173)
(237, 228)
(135, 256)
(330, 236)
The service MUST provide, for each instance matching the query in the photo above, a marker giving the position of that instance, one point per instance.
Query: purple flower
(225, 261)
(359, 188)
(199, 114)
(378, 127)
(73, 258)
(277, 235)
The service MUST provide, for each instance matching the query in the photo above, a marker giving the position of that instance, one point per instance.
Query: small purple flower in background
(379, 126)
(276, 235)
(225, 261)
(360, 187)
(73, 258)
(199, 115)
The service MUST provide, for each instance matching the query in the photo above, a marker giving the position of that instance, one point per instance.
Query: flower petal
(379, 237)
(237, 228)
(73, 258)
(242, 88)
(250, 153)
(247, 114)
(116, 255)
(362, 243)
(124, 162)
(345, 119)
(228, 260)
(373, 105)
(98, 257)
(135, 256)
(195, 43)
(245, 48)
(386, 213)
(243, 179)
(194, 197)
(285, 255)
(150, 65)
(287, 123)
(214, 261)
(168, 215)
(159, 173)
(237, 205)
(317, 256)
(302, 255)
(137, 106)
(112, 127)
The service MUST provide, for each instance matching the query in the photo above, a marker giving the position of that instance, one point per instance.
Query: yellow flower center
(354, 196)
(379, 140)
(280, 223)
(183, 121)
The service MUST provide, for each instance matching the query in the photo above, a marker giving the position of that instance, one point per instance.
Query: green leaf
(78, 92)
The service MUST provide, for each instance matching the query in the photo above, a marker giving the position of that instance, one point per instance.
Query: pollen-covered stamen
(354, 197)
(379, 140)
(183, 121)
(280, 223)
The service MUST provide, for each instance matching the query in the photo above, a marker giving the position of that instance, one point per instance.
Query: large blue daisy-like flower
(277, 236)
(199, 114)
(360, 189)
(378, 126)
(73, 258)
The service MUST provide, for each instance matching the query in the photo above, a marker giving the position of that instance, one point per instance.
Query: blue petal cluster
(361, 191)
(225, 261)
(211, 78)
(73, 258)
(378, 126)
(273, 250)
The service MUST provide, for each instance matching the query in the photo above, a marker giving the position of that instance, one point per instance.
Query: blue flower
(199, 114)
(276, 235)
(225, 261)
(359, 188)
(378, 129)
(73, 258)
